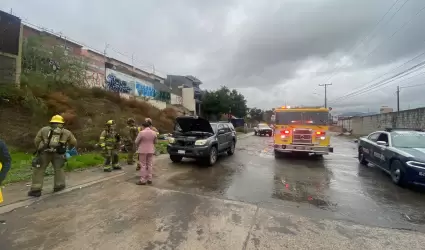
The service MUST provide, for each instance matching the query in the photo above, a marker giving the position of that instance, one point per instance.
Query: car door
(381, 150)
(368, 148)
(221, 137)
(229, 134)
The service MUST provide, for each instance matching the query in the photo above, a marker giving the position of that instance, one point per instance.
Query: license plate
(301, 148)
(182, 152)
(421, 173)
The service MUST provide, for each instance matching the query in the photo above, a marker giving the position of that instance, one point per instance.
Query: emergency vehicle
(301, 129)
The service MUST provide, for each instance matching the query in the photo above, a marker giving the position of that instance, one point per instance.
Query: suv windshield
(308, 117)
(263, 126)
(408, 139)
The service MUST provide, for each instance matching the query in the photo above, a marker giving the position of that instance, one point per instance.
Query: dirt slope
(24, 111)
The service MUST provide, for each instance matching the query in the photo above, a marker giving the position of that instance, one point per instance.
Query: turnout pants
(131, 150)
(57, 161)
(146, 162)
(111, 158)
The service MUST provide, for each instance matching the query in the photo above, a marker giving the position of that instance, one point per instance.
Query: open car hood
(190, 123)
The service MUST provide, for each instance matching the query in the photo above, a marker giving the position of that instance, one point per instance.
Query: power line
(386, 81)
(410, 86)
(400, 28)
(403, 26)
(366, 86)
(85, 45)
(356, 46)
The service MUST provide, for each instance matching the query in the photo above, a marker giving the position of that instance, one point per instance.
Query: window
(383, 137)
(373, 137)
(227, 128)
(408, 139)
(309, 117)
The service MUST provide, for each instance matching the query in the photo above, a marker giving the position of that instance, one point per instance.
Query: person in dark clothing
(5, 164)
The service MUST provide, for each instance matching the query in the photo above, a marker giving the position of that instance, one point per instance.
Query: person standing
(131, 135)
(51, 143)
(109, 142)
(149, 122)
(5, 164)
(145, 143)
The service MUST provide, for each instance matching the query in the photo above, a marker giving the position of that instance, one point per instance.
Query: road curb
(29, 201)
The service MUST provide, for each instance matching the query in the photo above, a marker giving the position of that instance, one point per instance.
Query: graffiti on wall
(119, 82)
(145, 90)
(94, 79)
(150, 92)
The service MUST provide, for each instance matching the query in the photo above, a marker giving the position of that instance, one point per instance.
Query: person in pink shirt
(145, 144)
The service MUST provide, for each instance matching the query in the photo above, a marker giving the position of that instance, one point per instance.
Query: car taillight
(320, 133)
(284, 132)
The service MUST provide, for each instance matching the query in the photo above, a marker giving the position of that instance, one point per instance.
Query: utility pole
(105, 59)
(398, 98)
(326, 87)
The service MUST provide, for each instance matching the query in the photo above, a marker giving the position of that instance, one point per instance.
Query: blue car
(399, 152)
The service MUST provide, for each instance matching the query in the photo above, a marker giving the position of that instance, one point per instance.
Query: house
(188, 88)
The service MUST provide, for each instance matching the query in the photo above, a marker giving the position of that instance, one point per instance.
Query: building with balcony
(187, 87)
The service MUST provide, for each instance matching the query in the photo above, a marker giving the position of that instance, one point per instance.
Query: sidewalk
(15, 194)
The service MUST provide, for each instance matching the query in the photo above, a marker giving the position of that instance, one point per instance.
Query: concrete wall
(176, 100)
(345, 124)
(11, 38)
(188, 99)
(158, 104)
(413, 118)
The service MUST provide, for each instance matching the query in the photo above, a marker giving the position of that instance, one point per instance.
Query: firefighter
(109, 142)
(5, 163)
(131, 135)
(51, 143)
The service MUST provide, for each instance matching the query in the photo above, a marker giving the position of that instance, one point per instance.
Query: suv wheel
(212, 156)
(176, 158)
(231, 150)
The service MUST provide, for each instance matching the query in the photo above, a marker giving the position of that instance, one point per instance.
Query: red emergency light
(284, 132)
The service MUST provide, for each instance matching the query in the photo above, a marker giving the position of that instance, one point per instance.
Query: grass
(21, 163)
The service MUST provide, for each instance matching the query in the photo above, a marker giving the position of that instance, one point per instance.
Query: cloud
(274, 52)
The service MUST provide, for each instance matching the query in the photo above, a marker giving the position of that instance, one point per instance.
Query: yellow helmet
(57, 119)
(110, 122)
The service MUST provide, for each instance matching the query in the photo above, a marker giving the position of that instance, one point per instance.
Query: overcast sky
(273, 51)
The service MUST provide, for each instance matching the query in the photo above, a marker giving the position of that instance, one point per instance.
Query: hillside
(24, 111)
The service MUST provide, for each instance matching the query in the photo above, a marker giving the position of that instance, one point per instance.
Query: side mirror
(356, 141)
(381, 143)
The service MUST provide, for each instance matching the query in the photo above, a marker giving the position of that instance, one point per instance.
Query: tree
(256, 114)
(52, 62)
(223, 101)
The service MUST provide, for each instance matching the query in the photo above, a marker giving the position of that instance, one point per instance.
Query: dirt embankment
(24, 111)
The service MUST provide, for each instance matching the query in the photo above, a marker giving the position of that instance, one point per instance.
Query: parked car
(263, 129)
(195, 137)
(399, 152)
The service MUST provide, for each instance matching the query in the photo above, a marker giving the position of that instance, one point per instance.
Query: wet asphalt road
(247, 201)
(336, 186)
